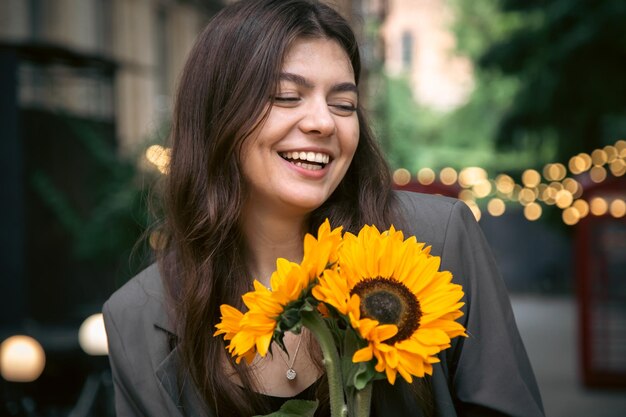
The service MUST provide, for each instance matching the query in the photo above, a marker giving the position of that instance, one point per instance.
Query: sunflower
(253, 331)
(394, 296)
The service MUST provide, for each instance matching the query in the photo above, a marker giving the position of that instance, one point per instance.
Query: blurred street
(548, 325)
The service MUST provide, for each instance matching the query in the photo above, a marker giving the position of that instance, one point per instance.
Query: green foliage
(414, 136)
(569, 57)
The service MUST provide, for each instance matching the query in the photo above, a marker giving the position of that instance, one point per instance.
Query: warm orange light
(526, 196)
(570, 216)
(531, 178)
(496, 207)
(571, 185)
(597, 174)
(515, 194)
(582, 207)
(563, 199)
(618, 167)
(482, 188)
(471, 175)
(426, 176)
(541, 188)
(157, 240)
(92, 337)
(620, 147)
(448, 176)
(22, 359)
(475, 209)
(577, 164)
(549, 194)
(587, 159)
(467, 195)
(598, 206)
(617, 208)
(599, 157)
(504, 184)
(611, 153)
(159, 157)
(554, 172)
(401, 176)
(532, 211)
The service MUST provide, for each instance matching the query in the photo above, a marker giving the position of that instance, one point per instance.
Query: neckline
(304, 394)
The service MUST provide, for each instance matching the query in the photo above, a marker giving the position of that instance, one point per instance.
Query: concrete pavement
(549, 328)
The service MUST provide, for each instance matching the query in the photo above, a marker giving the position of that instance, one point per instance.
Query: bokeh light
(532, 211)
(617, 208)
(597, 174)
(582, 207)
(504, 184)
(448, 176)
(482, 188)
(92, 336)
(563, 199)
(159, 157)
(599, 157)
(570, 216)
(426, 176)
(527, 196)
(598, 206)
(22, 359)
(531, 178)
(471, 175)
(475, 209)
(496, 207)
(401, 176)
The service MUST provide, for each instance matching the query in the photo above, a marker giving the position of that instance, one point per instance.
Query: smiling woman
(294, 160)
(269, 140)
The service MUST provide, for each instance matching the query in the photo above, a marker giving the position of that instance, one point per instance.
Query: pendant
(291, 374)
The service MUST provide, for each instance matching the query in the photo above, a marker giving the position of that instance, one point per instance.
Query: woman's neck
(270, 237)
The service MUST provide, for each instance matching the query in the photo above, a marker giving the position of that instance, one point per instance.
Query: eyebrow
(301, 81)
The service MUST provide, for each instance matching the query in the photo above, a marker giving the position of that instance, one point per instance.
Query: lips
(307, 160)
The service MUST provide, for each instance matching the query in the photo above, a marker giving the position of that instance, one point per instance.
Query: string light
(598, 206)
(426, 176)
(617, 208)
(448, 176)
(559, 189)
(401, 176)
(532, 211)
(496, 207)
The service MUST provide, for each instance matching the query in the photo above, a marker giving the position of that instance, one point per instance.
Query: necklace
(291, 373)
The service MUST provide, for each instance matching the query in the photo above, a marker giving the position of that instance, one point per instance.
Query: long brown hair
(224, 90)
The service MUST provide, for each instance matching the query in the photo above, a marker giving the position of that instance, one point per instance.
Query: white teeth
(318, 157)
(308, 166)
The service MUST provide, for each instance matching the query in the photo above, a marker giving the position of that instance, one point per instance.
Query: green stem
(315, 323)
(363, 401)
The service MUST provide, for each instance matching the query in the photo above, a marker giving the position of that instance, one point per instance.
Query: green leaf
(295, 408)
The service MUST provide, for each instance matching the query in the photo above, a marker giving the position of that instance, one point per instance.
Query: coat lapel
(179, 387)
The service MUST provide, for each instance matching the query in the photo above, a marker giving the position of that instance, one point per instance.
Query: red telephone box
(601, 274)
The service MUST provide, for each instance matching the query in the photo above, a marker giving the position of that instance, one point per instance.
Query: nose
(318, 119)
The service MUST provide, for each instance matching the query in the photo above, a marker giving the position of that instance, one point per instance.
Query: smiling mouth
(308, 160)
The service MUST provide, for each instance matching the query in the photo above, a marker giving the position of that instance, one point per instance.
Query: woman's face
(294, 161)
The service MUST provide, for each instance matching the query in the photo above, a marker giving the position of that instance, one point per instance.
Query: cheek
(352, 139)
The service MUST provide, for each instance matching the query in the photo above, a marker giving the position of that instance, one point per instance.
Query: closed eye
(343, 109)
(286, 101)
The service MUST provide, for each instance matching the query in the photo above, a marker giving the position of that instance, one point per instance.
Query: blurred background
(516, 107)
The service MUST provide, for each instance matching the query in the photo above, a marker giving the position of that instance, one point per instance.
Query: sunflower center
(389, 302)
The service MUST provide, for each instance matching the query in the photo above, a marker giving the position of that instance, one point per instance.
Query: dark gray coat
(486, 374)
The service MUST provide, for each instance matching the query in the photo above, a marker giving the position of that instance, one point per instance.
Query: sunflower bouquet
(376, 303)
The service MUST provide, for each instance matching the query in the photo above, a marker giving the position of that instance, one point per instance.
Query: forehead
(317, 56)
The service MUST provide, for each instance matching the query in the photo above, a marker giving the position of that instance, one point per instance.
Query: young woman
(268, 140)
